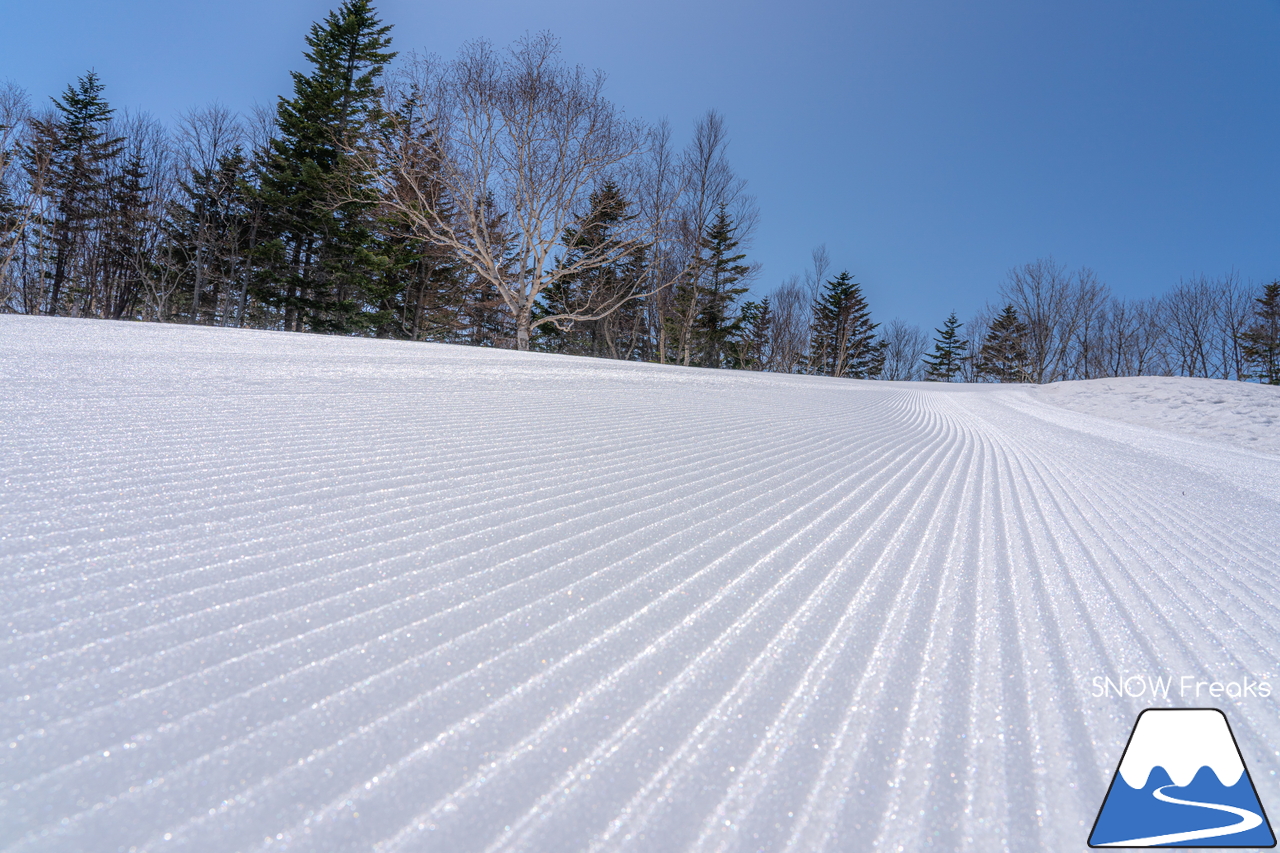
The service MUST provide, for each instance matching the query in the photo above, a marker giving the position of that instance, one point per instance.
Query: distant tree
(1003, 356)
(1062, 312)
(722, 272)
(520, 143)
(1204, 320)
(210, 232)
(590, 289)
(1084, 336)
(1261, 342)
(127, 221)
(904, 348)
(944, 363)
(789, 326)
(74, 147)
(843, 340)
(320, 247)
(752, 347)
(712, 198)
(16, 196)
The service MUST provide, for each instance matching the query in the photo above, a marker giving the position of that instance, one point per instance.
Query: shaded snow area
(263, 591)
(1243, 414)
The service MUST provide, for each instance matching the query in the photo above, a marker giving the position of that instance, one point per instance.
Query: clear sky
(930, 144)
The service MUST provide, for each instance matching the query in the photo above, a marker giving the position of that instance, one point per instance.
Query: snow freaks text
(1180, 687)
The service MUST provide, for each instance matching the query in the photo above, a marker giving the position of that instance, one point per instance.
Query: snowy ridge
(278, 591)
(1181, 742)
(1243, 414)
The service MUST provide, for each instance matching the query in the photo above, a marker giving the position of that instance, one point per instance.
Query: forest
(499, 199)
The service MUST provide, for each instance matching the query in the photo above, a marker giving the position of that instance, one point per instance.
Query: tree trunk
(196, 287)
(523, 320)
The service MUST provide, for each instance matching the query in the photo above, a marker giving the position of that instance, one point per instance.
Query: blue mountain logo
(1182, 783)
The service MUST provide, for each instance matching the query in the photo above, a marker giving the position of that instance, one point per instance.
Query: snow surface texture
(271, 591)
(1240, 413)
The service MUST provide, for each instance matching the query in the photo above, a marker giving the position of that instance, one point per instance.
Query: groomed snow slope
(270, 591)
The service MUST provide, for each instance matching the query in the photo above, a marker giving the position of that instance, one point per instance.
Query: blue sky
(930, 145)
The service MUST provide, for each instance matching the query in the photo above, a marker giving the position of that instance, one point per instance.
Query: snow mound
(1241, 414)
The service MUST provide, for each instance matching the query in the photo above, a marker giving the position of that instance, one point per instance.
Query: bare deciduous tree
(1041, 292)
(789, 326)
(1086, 325)
(17, 196)
(658, 184)
(816, 275)
(905, 346)
(1133, 339)
(206, 139)
(516, 143)
(1191, 312)
(709, 185)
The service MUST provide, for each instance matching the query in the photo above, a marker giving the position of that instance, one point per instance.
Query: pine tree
(750, 349)
(1261, 343)
(948, 352)
(1003, 356)
(318, 205)
(843, 340)
(76, 145)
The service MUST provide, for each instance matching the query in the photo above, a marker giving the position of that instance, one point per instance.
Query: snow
(1243, 414)
(269, 591)
(1181, 741)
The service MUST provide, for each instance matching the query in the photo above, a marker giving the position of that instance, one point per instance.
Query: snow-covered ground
(270, 591)
(1244, 414)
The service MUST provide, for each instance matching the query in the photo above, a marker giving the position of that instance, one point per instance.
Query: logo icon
(1181, 783)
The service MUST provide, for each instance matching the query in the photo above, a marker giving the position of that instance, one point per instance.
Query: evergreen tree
(597, 288)
(418, 292)
(1003, 356)
(321, 250)
(76, 145)
(210, 227)
(750, 349)
(843, 339)
(1261, 343)
(722, 271)
(948, 352)
(127, 215)
(699, 315)
(11, 226)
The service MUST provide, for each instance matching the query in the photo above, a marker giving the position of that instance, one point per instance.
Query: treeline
(1052, 325)
(499, 199)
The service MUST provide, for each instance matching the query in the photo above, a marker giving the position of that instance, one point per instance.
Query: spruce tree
(750, 348)
(321, 248)
(843, 339)
(1260, 345)
(1003, 356)
(948, 352)
(723, 270)
(77, 147)
(417, 290)
(595, 289)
